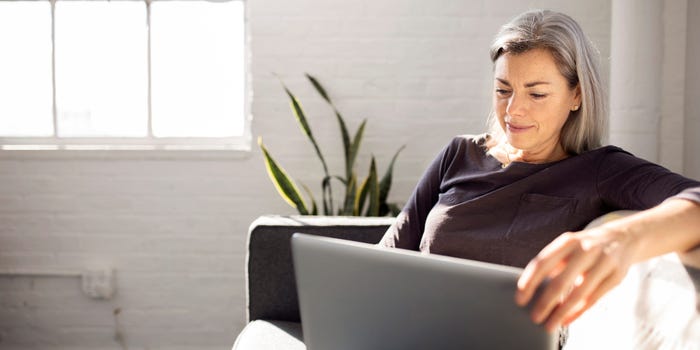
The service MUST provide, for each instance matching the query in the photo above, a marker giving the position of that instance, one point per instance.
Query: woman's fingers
(580, 297)
(578, 262)
(543, 265)
(581, 269)
(608, 283)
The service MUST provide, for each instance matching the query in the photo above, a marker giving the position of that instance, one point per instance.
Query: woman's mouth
(517, 128)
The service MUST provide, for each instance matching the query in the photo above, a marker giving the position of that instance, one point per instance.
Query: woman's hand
(580, 267)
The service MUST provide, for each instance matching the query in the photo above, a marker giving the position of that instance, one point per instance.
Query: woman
(521, 194)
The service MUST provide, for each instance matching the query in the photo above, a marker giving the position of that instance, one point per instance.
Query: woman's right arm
(407, 230)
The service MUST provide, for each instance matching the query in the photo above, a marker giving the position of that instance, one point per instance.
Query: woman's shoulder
(472, 145)
(611, 159)
(610, 149)
(608, 152)
(471, 141)
(467, 150)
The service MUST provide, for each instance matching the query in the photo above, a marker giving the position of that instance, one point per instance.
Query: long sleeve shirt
(467, 205)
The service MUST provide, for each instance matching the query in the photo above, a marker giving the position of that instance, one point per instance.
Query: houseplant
(361, 198)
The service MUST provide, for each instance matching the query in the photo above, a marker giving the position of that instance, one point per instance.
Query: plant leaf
(327, 196)
(385, 184)
(394, 209)
(341, 123)
(283, 183)
(347, 147)
(355, 147)
(361, 197)
(342, 180)
(304, 124)
(350, 193)
(314, 208)
(373, 209)
(319, 88)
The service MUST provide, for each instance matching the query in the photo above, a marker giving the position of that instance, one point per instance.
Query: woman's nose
(516, 105)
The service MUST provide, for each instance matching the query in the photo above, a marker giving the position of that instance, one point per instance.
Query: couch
(271, 296)
(656, 306)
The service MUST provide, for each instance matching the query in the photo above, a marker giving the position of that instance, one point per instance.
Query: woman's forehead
(537, 65)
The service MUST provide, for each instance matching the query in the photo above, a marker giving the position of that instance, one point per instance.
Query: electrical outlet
(98, 283)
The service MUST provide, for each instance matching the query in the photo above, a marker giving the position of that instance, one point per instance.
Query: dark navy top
(466, 205)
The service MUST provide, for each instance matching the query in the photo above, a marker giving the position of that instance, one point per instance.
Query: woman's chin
(516, 142)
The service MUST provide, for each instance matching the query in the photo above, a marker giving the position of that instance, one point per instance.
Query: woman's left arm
(582, 266)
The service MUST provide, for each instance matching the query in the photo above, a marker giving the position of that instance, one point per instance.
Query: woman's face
(532, 100)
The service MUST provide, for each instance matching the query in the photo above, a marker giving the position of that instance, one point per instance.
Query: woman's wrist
(623, 235)
(673, 226)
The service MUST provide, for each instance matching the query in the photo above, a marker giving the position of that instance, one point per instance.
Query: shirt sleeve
(627, 182)
(407, 230)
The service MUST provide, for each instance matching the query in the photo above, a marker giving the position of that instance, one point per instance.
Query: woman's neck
(548, 155)
(506, 154)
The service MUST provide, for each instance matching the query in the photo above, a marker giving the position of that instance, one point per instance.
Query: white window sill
(117, 148)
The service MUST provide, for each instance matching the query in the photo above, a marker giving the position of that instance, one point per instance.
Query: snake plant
(362, 196)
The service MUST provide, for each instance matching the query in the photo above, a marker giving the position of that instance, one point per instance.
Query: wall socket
(99, 283)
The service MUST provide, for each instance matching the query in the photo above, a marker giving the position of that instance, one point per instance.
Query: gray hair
(577, 60)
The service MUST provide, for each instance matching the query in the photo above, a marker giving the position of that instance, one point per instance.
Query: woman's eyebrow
(527, 85)
(534, 83)
(503, 81)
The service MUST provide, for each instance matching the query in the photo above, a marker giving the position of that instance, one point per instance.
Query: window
(151, 74)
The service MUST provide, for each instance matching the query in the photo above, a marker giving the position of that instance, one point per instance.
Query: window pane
(197, 68)
(101, 68)
(25, 69)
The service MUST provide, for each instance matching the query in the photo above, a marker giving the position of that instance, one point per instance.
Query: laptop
(358, 296)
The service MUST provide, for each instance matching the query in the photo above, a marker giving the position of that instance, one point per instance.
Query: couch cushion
(270, 335)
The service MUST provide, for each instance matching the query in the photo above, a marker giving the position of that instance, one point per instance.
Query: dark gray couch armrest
(270, 286)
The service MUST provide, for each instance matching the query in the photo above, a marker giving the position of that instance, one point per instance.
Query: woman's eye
(538, 96)
(502, 92)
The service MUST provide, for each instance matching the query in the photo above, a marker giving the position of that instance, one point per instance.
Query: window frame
(150, 143)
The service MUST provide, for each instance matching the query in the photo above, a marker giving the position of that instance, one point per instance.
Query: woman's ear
(576, 103)
(577, 95)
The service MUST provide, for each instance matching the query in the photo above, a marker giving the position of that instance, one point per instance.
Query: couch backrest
(271, 289)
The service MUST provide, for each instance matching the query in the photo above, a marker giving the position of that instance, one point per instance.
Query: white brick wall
(175, 228)
(671, 146)
(692, 93)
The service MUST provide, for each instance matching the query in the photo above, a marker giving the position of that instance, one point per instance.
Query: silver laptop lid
(356, 296)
